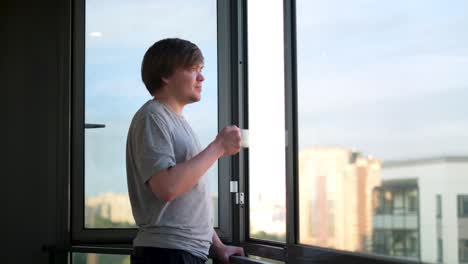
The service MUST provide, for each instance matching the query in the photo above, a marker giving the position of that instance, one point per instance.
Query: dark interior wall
(34, 70)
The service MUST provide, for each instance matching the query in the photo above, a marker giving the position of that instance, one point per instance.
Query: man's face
(185, 84)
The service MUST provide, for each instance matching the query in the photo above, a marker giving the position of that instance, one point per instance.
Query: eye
(197, 68)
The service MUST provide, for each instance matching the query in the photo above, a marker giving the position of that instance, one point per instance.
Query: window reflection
(383, 145)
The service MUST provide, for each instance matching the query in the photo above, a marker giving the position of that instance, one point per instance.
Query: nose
(200, 77)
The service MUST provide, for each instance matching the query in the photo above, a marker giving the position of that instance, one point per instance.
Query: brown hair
(166, 56)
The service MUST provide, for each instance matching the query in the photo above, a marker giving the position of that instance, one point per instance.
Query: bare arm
(173, 182)
(223, 252)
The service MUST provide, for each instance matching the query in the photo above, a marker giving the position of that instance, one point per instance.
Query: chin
(195, 99)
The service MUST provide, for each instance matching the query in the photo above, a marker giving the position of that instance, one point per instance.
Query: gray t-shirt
(159, 138)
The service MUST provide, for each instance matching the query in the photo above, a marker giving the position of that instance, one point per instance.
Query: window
(440, 244)
(92, 258)
(114, 92)
(110, 41)
(398, 203)
(374, 111)
(266, 122)
(439, 206)
(463, 206)
(355, 113)
(413, 244)
(440, 251)
(387, 202)
(412, 202)
(463, 250)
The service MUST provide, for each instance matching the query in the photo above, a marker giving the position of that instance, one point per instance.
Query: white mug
(244, 138)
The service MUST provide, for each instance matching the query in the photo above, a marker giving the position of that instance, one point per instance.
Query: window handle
(94, 126)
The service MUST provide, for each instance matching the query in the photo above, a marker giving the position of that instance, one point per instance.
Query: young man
(166, 165)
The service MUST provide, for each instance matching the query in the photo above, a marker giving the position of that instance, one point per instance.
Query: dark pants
(152, 255)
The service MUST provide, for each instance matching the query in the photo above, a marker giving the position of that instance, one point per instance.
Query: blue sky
(114, 90)
(388, 78)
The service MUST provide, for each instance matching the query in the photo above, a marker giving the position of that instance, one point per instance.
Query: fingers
(231, 138)
(237, 137)
(234, 130)
(229, 251)
(234, 251)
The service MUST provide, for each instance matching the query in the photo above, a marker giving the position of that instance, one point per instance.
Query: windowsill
(246, 260)
(125, 249)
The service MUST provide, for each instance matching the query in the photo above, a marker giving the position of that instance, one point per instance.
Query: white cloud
(96, 34)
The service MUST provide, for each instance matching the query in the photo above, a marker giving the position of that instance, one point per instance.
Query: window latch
(239, 195)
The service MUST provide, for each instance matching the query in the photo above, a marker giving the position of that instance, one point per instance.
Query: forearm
(171, 183)
(217, 243)
(223, 252)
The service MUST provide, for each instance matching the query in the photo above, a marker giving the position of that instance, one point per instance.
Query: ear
(165, 80)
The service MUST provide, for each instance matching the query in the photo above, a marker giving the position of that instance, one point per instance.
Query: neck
(170, 102)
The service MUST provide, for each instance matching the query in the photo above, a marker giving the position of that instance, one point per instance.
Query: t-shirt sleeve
(154, 148)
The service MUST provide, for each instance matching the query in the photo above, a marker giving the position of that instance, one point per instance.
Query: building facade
(335, 198)
(432, 224)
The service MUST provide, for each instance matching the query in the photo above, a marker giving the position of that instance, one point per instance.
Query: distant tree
(266, 236)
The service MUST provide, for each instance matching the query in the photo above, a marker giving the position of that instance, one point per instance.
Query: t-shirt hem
(164, 241)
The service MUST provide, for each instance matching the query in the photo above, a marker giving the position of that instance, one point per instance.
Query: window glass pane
(118, 33)
(440, 250)
(91, 258)
(463, 205)
(463, 250)
(266, 120)
(438, 206)
(382, 125)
